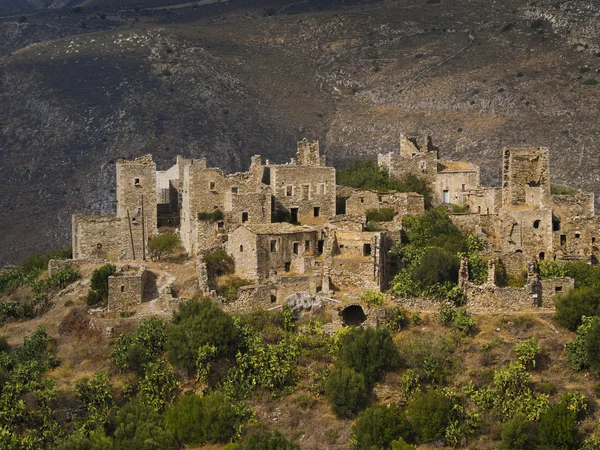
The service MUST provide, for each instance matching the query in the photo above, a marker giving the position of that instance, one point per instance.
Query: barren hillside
(228, 80)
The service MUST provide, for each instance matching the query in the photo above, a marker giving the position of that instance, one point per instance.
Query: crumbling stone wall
(528, 231)
(103, 237)
(483, 200)
(404, 203)
(552, 289)
(126, 288)
(576, 205)
(522, 169)
(453, 179)
(577, 239)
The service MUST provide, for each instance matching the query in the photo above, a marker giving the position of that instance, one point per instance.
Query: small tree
(519, 434)
(429, 414)
(558, 428)
(438, 266)
(196, 420)
(198, 323)
(369, 352)
(346, 392)
(140, 427)
(577, 303)
(99, 284)
(273, 440)
(377, 426)
(163, 244)
(97, 399)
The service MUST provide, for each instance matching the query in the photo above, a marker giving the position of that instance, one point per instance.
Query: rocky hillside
(231, 79)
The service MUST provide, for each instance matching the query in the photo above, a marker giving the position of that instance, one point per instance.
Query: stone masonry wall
(103, 237)
(126, 289)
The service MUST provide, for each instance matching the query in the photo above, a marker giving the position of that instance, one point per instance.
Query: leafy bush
(197, 420)
(518, 433)
(585, 275)
(366, 175)
(527, 351)
(346, 392)
(556, 189)
(430, 358)
(229, 288)
(457, 318)
(434, 228)
(377, 426)
(558, 428)
(380, 214)
(97, 399)
(133, 351)
(272, 440)
(99, 284)
(478, 269)
(398, 319)
(372, 298)
(413, 183)
(212, 216)
(163, 244)
(198, 323)
(570, 308)
(158, 386)
(218, 263)
(437, 266)
(549, 269)
(369, 352)
(140, 427)
(429, 414)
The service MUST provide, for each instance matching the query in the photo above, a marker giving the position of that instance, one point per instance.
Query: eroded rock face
(304, 304)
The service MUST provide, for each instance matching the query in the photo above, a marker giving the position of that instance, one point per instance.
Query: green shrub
(218, 263)
(99, 284)
(591, 344)
(146, 344)
(197, 420)
(398, 319)
(158, 386)
(369, 352)
(140, 427)
(346, 392)
(570, 308)
(556, 189)
(94, 440)
(377, 426)
(198, 323)
(576, 350)
(97, 399)
(429, 414)
(366, 175)
(272, 440)
(430, 357)
(558, 428)
(229, 289)
(478, 269)
(434, 228)
(414, 183)
(457, 318)
(527, 351)
(518, 433)
(438, 266)
(380, 214)
(213, 216)
(372, 298)
(591, 82)
(400, 444)
(459, 208)
(549, 269)
(585, 275)
(163, 244)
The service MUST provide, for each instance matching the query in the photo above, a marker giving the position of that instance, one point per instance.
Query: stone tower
(308, 153)
(525, 177)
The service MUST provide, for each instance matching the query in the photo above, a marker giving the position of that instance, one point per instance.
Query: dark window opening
(212, 186)
(294, 213)
(287, 266)
(542, 256)
(558, 289)
(122, 288)
(555, 223)
(463, 187)
(288, 190)
(136, 182)
(366, 249)
(536, 224)
(353, 315)
(133, 219)
(342, 246)
(487, 210)
(362, 199)
(305, 191)
(479, 210)
(316, 211)
(241, 248)
(295, 248)
(577, 235)
(320, 245)
(99, 246)
(340, 205)
(244, 217)
(519, 251)
(563, 240)
(273, 298)
(234, 190)
(593, 240)
(306, 246)
(273, 246)
(220, 225)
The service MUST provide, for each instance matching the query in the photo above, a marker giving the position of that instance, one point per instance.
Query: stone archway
(353, 315)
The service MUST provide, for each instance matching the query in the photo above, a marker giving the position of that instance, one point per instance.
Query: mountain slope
(228, 81)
